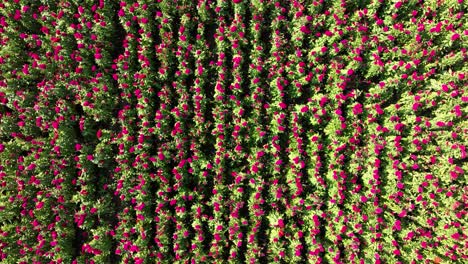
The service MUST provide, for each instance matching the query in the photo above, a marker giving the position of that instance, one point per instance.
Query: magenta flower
(281, 223)
(455, 37)
(254, 168)
(26, 69)
(39, 205)
(305, 30)
(357, 109)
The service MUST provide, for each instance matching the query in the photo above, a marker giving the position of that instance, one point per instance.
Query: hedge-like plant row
(263, 131)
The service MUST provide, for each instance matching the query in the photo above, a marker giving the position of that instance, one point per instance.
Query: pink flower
(457, 110)
(260, 154)
(279, 194)
(39, 205)
(254, 168)
(26, 69)
(357, 109)
(17, 15)
(78, 147)
(363, 199)
(399, 126)
(2, 148)
(379, 110)
(455, 37)
(456, 236)
(398, 5)
(238, 148)
(280, 223)
(134, 248)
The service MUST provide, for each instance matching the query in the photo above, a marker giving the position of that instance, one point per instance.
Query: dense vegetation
(235, 131)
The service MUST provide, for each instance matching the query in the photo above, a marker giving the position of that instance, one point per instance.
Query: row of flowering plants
(233, 131)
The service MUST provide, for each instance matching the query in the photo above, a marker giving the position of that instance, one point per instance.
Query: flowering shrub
(236, 131)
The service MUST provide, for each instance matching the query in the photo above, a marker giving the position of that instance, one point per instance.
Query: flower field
(233, 131)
